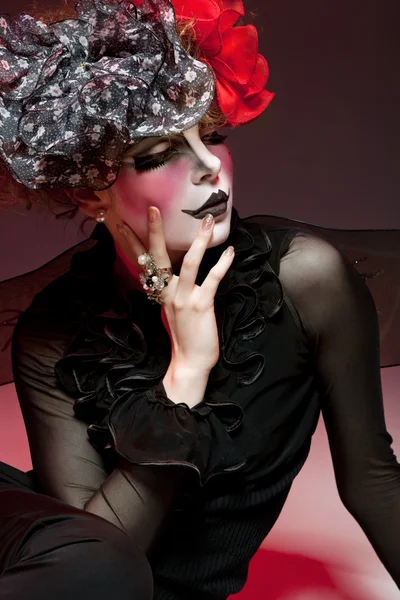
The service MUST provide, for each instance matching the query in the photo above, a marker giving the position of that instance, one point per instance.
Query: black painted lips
(215, 198)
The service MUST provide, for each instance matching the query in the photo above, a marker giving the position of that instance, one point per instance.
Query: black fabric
(375, 252)
(51, 550)
(298, 333)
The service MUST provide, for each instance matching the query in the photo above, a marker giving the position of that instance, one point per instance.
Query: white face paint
(194, 167)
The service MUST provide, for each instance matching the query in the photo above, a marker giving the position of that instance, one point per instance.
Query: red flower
(232, 52)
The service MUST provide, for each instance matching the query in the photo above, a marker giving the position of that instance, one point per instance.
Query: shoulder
(311, 261)
(323, 285)
(298, 250)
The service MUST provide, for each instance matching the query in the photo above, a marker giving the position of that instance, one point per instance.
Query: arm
(134, 498)
(62, 351)
(339, 315)
(137, 498)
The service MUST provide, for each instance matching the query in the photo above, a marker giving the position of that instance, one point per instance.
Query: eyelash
(158, 160)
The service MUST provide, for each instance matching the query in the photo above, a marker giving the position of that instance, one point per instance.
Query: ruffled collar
(122, 342)
(249, 295)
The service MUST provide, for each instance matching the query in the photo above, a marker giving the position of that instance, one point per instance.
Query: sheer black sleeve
(66, 465)
(73, 369)
(339, 315)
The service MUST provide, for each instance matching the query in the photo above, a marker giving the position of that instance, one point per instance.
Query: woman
(201, 405)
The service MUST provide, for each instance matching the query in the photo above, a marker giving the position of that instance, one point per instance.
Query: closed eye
(214, 138)
(158, 159)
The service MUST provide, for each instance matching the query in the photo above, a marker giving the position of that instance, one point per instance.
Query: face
(177, 174)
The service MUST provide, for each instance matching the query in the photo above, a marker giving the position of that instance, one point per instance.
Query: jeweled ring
(155, 278)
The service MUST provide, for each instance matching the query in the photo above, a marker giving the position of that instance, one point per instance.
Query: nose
(207, 169)
(207, 166)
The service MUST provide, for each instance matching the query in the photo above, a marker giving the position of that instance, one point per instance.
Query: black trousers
(49, 550)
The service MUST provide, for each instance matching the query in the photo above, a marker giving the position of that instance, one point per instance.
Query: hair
(59, 200)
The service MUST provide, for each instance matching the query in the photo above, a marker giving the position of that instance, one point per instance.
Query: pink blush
(226, 162)
(169, 188)
(127, 190)
(159, 187)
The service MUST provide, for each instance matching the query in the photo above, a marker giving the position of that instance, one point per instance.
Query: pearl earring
(100, 216)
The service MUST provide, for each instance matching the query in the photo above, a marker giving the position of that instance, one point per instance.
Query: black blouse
(298, 333)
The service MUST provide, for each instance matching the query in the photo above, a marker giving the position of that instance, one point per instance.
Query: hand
(188, 309)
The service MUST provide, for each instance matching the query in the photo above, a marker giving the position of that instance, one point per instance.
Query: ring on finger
(155, 278)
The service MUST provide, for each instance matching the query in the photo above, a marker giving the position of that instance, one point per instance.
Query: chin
(220, 235)
(222, 228)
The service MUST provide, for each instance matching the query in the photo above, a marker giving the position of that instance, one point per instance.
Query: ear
(90, 201)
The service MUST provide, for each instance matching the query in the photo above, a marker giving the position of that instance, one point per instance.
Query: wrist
(188, 370)
(185, 384)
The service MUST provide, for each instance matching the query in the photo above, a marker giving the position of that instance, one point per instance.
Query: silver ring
(155, 278)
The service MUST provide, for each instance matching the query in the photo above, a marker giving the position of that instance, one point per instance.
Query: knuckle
(198, 306)
(215, 273)
(178, 304)
(200, 301)
(190, 263)
(201, 306)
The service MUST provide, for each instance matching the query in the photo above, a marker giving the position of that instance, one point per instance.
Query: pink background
(326, 151)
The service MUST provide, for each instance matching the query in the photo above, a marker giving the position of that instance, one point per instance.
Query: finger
(194, 256)
(130, 244)
(157, 245)
(158, 248)
(209, 287)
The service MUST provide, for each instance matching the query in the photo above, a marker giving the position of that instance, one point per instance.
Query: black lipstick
(216, 205)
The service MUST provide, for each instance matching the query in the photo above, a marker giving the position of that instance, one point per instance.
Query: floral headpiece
(76, 93)
(232, 52)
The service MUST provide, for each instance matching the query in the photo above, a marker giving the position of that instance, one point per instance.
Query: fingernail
(207, 221)
(229, 251)
(152, 214)
(121, 229)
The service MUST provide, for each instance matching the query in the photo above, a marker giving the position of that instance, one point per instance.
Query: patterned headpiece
(76, 93)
